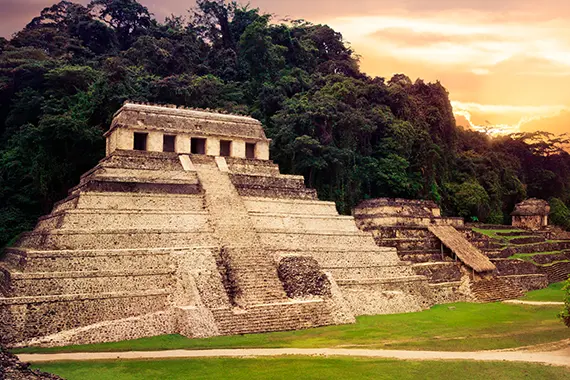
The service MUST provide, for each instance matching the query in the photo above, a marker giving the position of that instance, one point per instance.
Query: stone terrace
(409, 224)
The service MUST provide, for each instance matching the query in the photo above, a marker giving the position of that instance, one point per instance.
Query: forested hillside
(352, 136)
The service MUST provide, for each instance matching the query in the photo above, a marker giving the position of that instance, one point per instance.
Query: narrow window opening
(225, 148)
(168, 143)
(198, 146)
(250, 150)
(140, 141)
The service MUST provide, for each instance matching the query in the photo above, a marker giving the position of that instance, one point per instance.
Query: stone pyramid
(186, 227)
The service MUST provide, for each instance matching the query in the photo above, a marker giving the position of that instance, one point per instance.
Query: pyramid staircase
(290, 221)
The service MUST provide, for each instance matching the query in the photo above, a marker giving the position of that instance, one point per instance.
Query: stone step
(26, 260)
(402, 224)
(134, 185)
(252, 167)
(556, 272)
(273, 317)
(243, 255)
(344, 256)
(383, 281)
(70, 297)
(145, 175)
(386, 296)
(439, 272)
(409, 244)
(115, 239)
(76, 310)
(540, 247)
(132, 159)
(426, 258)
(60, 283)
(365, 272)
(285, 240)
(133, 201)
(501, 288)
(272, 186)
(289, 206)
(285, 193)
(117, 219)
(507, 267)
(304, 222)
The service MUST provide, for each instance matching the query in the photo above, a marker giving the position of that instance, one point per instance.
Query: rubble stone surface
(11, 368)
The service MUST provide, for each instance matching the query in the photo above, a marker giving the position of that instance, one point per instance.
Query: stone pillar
(154, 141)
(238, 149)
(262, 150)
(212, 146)
(182, 144)
(123, 139)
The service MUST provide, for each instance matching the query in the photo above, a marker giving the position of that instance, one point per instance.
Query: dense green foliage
(352, 136)
(559, 213)
(299, 367)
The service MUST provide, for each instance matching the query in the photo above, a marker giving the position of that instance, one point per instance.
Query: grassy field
(528, 256)
(454, 327)
(553, 293)
(301, 368)
(493, 234)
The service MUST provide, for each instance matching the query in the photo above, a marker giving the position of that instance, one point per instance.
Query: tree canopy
(352, 136)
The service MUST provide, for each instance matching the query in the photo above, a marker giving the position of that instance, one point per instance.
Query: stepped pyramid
(186, 227)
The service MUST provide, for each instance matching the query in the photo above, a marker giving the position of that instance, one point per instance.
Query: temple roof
(532, 207)
(175, 119)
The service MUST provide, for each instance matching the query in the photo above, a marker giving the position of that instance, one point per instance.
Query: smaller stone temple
(436, 245)
(531, 214)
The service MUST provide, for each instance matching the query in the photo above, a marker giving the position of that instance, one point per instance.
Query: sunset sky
(506, 63)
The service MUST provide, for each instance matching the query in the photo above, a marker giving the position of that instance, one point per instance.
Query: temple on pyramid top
(156, 128)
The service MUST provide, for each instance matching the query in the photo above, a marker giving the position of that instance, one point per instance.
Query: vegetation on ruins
(280, 368)
(352, 136)
(559, 213)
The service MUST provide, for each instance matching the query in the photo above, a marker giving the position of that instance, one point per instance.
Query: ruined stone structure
(453, 257)
(11, 368)
(405, 224)
(187, 227)
(531, 214)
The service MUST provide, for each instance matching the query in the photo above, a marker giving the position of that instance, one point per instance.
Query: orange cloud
(557, 124)
(501, 119)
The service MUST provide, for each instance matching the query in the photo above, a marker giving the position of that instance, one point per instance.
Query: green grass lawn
(301, 368)
(528, 256)
(553, 293)
(454, 327)
(493, 234)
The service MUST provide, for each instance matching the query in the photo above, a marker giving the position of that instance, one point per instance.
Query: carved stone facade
(187, 227)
